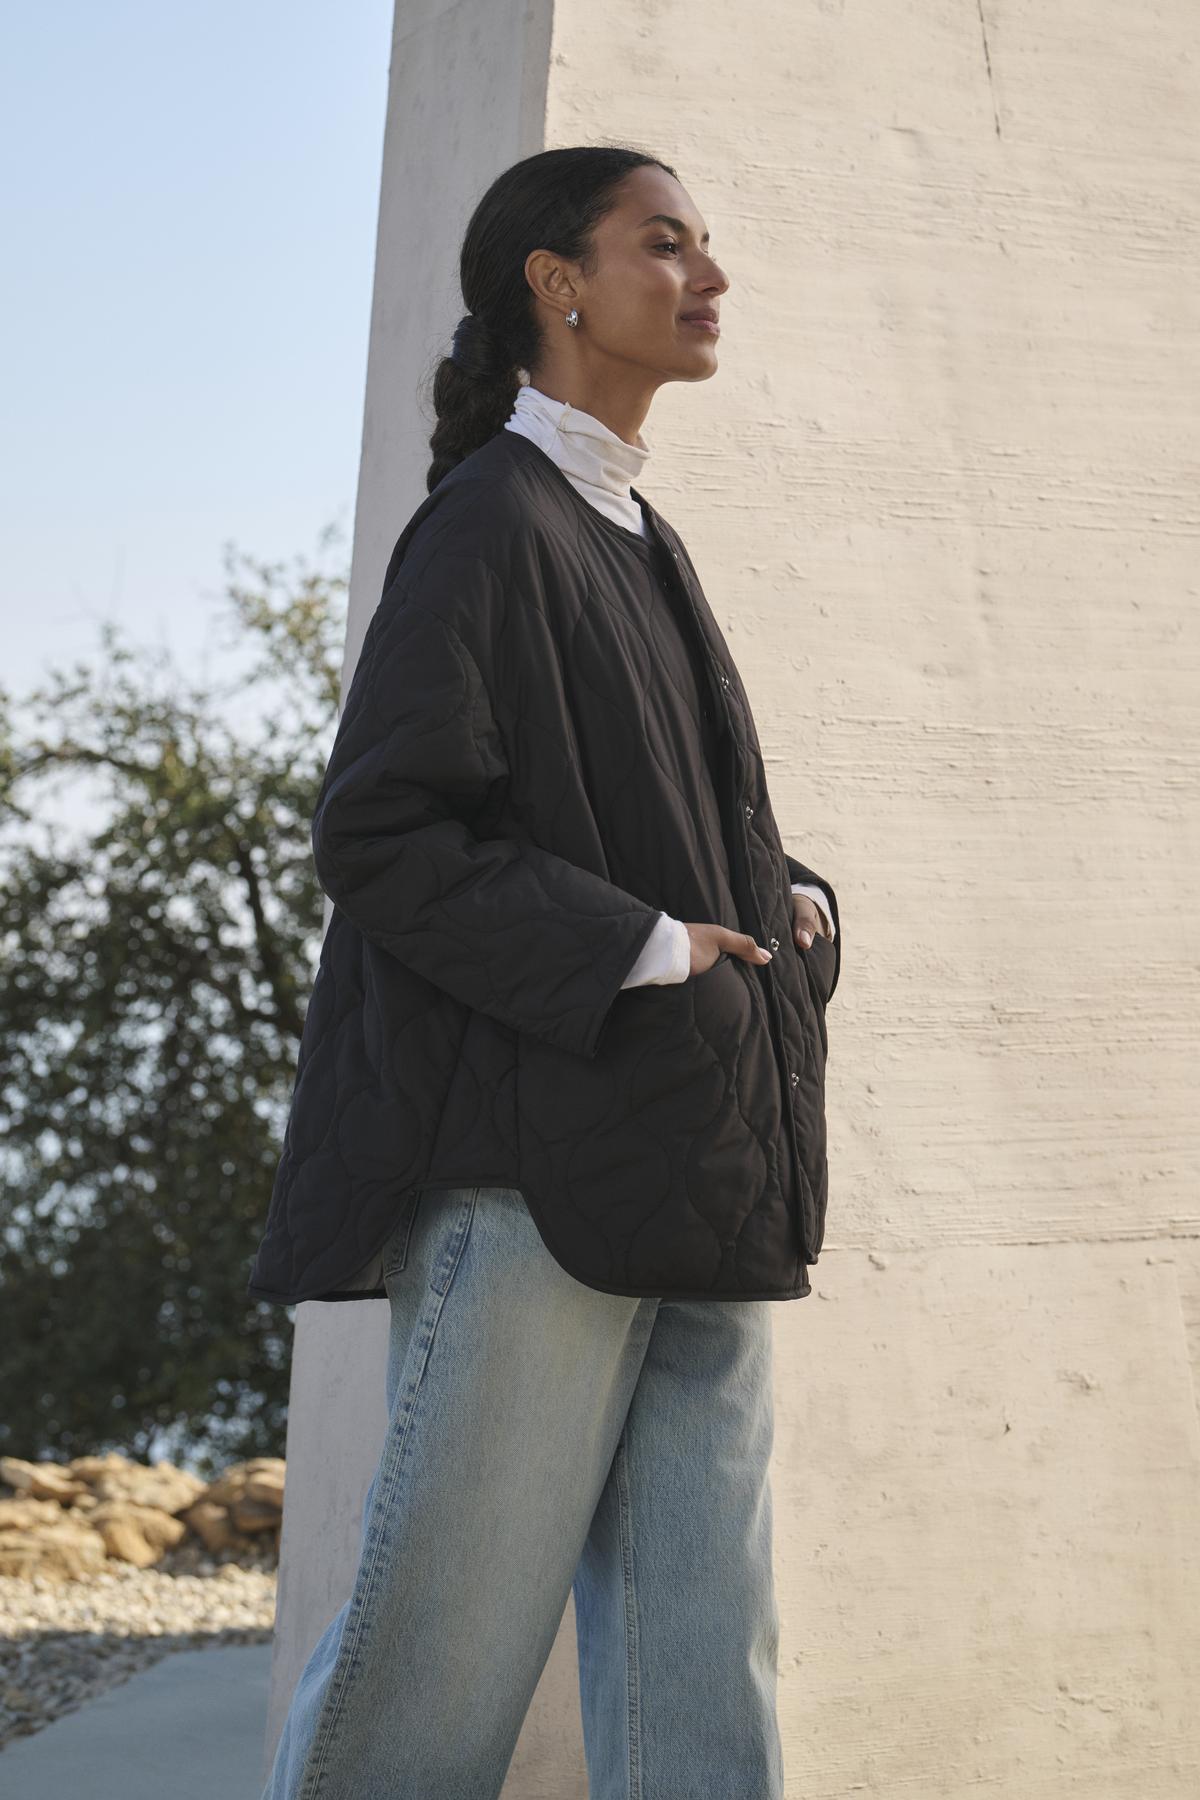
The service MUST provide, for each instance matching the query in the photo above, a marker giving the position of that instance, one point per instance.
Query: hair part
(550, 201)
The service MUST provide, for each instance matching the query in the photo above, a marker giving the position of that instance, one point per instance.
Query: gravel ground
(64, 1642)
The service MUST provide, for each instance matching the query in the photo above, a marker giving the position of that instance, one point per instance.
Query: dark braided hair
(550, 201)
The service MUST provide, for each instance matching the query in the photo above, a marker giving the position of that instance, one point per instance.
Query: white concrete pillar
(466, 97)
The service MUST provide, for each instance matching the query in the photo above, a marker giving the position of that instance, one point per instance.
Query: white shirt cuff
(666, 955)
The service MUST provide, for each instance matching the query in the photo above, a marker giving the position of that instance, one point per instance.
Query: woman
(565, 1104)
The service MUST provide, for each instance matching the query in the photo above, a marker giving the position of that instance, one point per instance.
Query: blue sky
(188, 233)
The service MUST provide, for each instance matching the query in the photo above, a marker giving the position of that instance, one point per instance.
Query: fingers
(807, 920)
(805, 933)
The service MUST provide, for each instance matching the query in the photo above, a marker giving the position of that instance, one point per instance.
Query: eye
(667, 244)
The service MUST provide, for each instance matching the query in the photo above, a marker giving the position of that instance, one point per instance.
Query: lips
(702, 313)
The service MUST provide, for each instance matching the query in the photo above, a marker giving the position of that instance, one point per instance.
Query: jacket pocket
(722, 956)
(649, 1164)
(682, 1096)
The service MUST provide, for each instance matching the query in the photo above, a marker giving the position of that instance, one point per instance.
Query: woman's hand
(709, 941)
(807, 920)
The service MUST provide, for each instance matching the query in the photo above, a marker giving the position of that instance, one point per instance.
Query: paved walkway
(192, 1726)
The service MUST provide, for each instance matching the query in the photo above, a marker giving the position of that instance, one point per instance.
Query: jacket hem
(658, 1292)
(604, 1287)
(257, 1293)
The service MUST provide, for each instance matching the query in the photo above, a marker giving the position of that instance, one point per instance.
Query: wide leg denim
(542, 1437)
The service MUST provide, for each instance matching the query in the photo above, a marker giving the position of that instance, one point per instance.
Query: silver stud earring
(573, 317)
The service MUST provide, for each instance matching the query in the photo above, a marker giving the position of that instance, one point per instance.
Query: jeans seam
(632, 1672)
(350, 1643)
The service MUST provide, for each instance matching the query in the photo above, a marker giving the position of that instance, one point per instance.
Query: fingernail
(806, 938)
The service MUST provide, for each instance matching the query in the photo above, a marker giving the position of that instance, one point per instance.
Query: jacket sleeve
(503, 925)
(798, 872)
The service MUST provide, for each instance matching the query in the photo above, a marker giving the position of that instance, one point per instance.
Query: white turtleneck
(598, 463)
(602, 467)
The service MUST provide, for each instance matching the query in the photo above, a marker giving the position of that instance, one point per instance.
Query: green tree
(154, 971)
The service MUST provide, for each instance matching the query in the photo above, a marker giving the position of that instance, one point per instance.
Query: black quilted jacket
(545, 742)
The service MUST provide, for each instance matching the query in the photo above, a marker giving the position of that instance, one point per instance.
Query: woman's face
(653, 266)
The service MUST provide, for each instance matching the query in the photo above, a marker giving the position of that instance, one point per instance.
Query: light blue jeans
(544, 1437)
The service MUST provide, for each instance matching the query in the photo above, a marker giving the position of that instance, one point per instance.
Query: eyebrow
(675, 224)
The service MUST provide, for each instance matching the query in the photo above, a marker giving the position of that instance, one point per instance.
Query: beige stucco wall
(943, 497)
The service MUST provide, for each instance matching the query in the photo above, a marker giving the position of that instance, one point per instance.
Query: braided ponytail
(474, 390)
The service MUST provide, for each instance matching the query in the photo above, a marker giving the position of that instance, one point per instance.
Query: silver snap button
(795, 1078)
(724, 681)
(774, 943)
(749, 812)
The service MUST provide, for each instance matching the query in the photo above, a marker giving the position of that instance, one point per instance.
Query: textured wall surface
(943, 496)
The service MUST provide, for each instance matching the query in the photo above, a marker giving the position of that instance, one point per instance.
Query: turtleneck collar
(601, 465)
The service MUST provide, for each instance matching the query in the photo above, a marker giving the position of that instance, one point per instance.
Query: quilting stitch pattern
(522, 777)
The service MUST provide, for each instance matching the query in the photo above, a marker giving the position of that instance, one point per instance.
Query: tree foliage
(154, 971)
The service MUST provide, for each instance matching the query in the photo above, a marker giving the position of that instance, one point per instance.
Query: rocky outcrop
(65, 1521)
